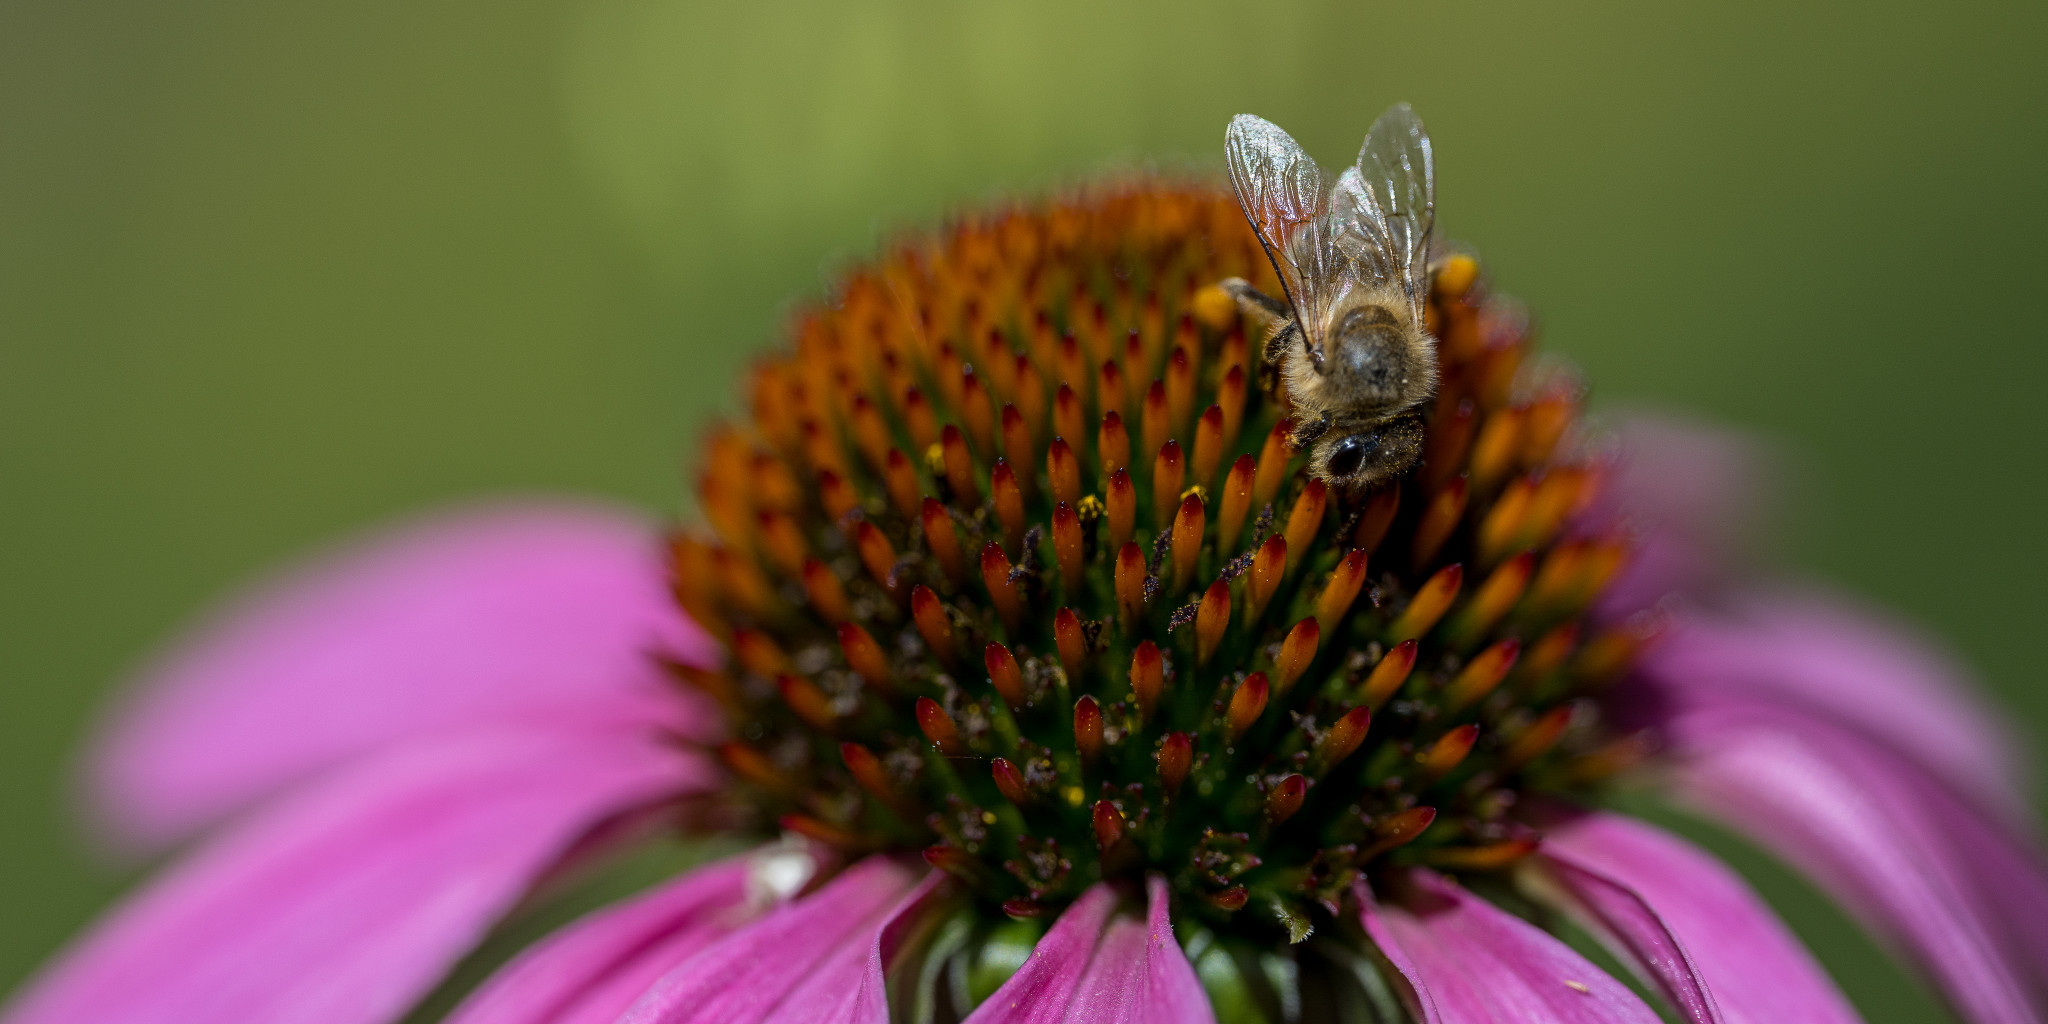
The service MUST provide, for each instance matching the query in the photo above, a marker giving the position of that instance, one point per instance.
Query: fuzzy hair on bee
(1347, 342)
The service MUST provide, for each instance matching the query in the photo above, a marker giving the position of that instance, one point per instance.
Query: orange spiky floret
(1037, 433)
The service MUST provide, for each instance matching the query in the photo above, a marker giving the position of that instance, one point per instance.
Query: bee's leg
(1271, 315)
(1254, 303)
(1307, 433)
(1271, 357)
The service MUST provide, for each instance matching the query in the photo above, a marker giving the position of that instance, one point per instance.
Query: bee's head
(1376, 360)
(1366, 455)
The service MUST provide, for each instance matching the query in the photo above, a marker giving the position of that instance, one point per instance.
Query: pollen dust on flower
(1016, 570)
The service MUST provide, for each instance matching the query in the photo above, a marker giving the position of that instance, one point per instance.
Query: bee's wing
(1282, 193)
(1358, 231)
(1385, 205)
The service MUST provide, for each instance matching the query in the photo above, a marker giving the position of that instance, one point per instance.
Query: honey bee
(1349, 342)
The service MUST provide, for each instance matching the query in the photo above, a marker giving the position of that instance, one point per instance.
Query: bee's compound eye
(1350, 453)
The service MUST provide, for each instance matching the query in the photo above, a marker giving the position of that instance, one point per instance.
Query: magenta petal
(1685, 922)
(2010, 876)
(1138, 973)
(1414, 989)
(590, 972)
(1916, 863)
(539, 612)
(1822, 656)
(1471, 963)
(1173, 995)
(1040, 990)
(747, 977)
(1690, 492)
(1112, 990)
(1091, 968)
(345, 903)
(853, 988)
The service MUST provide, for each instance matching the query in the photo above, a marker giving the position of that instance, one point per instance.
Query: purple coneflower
(1070, 697)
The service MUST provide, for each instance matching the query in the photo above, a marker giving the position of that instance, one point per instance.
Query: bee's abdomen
(1372, 363)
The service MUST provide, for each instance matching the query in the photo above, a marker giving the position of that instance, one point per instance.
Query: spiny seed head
(1109, 826)
(1176, 756)
(1247, 703)
(1040, 434)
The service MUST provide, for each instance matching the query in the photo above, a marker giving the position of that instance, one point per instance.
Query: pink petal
(1173, 995)
(1414, 990)
(1824, 657)
(1094, 969)
(1470, 963)
(1113, 988)
(538, 612)
(1961, 895)
(1138, 973)
(824, 998)
(2010, 875)
(590, 972)
(1040, 990)
(806, 961)
(1686, 923)
(1691, 493)
(345, 903)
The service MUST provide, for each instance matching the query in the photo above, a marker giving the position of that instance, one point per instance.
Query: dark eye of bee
(1350, 453)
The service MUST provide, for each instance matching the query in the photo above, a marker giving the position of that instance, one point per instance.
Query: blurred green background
(270, 273)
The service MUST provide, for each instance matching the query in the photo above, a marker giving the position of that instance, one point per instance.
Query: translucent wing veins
(1371, 226)
(1281, 192)
(1397, 180)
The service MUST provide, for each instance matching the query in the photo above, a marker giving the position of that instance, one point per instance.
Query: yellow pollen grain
(1075, 796)
(1578, 986)
(988, 817)
(1455, 279)
(1215, 308)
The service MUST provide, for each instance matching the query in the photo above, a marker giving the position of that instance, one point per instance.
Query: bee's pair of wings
(1371, 227)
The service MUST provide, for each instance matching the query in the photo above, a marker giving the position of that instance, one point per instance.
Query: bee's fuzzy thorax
(1017, 567)
(1318, 391)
